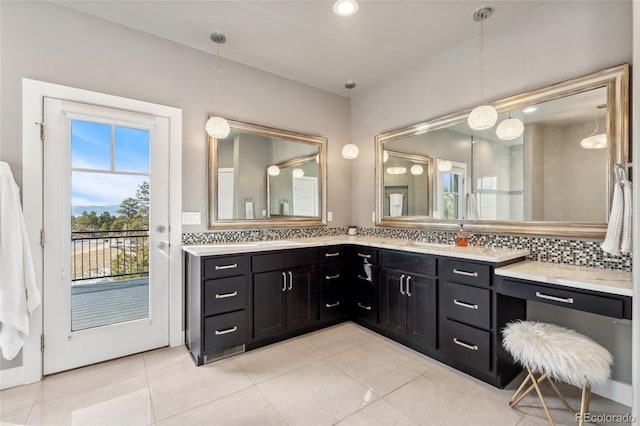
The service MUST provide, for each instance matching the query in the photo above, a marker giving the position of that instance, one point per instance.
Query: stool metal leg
(584, 405)
(517, 396)
(564, 401)
(539, 392)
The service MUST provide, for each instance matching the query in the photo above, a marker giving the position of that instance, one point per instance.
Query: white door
(106, 233)
(305, 196)
(225, 193)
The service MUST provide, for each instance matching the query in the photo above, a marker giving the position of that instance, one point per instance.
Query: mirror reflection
(261, 176)
(407, 184)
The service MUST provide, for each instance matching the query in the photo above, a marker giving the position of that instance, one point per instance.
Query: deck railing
(109, 254)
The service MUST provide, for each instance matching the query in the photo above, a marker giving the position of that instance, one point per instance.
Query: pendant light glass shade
(297, 173)
(595, 140)
(417, 169)
(217, 127)
(444, 165)
(510, 129)
(385, 156)
(350, 151)
(273, 170)
(482, 117)
(396, 170)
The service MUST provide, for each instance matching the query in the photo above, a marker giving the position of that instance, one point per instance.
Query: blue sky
(91, 149)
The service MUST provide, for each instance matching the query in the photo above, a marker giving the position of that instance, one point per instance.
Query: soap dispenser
(461, 237)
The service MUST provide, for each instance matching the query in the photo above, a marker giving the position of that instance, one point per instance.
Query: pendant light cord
(481, 62)
(218, 78)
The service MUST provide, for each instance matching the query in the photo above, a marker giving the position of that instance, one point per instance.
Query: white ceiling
(304, 41)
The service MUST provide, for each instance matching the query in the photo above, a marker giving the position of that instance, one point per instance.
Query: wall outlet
(330, 216)
(191, 218)
(373, 217)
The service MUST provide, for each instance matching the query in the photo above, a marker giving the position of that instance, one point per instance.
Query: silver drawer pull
(227, 331)
(554, 298)
(332, 305)
(225, 295)
(221, 267)
(331, 277)
(465, 345)
(366, 256)
(465, 305)
(465, 273)
(360, 305)
(364, 278)
(332, 254)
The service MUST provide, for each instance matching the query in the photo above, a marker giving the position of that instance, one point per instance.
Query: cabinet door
(302, 297)
(393, 309)
(269, 304)
(421, 310)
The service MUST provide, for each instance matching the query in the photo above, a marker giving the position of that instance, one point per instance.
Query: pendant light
(595, 140)
(417, 170)
(484, 116)
(217, 127)
(350, 151)
(510, 129)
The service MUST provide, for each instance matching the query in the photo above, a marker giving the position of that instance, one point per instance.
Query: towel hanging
(619, 229)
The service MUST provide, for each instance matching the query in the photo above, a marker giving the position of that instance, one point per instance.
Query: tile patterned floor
(344, 375)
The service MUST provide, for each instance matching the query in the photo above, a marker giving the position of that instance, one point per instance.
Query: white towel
(285, 208)
(19, 294)
(395, 204)
(612, 240)
(472, 207)
(248, 209)
(627, 217)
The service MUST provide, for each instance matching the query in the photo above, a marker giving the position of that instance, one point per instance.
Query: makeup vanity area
(447, 302)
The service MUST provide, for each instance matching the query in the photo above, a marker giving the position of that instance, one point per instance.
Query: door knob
(161, 245)
(161, 228)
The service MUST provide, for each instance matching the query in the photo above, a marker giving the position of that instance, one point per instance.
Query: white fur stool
(556, 353)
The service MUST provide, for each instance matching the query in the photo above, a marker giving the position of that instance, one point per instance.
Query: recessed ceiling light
(530, 109)
(345, 7)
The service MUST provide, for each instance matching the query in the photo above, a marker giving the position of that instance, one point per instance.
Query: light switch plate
(191, 218)
(329, 216)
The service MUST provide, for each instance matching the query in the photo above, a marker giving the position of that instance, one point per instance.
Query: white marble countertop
(486, 254)
(587, 278)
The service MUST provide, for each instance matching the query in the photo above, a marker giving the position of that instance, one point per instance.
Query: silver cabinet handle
(366, 256)
(332, 254)
(284, 281)
(290, 280)
(465, 345)
(332, 305)
(401, 284)
(464, 304)
(225, 295)
(331, 277)
(364, 278)
(465, 273)
(554, 298)
(360, 305)
(408, 291)
(221, 267)
(227, 331)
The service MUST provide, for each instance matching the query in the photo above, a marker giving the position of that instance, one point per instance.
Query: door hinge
(42, 132)
(42, 237)
(42, 343)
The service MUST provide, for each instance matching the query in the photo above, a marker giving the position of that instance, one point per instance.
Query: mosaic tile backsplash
(544, 249)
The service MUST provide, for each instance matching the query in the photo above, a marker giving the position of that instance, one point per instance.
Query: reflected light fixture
(385, 156)
(396, 170)
(510, 129)
(484, 116)
(345, 8)
(444, 165)
(298, 173)
(273, 170)
(417, 169)
(217, 127)
(595, 140)
(527, 110)
(350, 151)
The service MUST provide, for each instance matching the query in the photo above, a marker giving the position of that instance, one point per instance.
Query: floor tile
(165, 357)
(185, 386)
(86, 378)
(122, 403)
(380, 365)
(271, 361)
(317, 394)
(14, 418)
(379, 413)
(17, 399)
(247, 407)
(337, 339)
(439, 397)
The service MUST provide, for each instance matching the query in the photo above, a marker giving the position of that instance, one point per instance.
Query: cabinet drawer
(363, 255)
(225, 295)
(466, 345)
(284, 259)
(331, 254)
(332, 303)
(406, 262)
(228, 266)
(467, 272)
(365, 306)
(225, 331)
(470, 305)
(331, 273)
(609, 306)
(367, 276)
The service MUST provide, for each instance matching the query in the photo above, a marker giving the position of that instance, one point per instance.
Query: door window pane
(131, 150)
(90, 145)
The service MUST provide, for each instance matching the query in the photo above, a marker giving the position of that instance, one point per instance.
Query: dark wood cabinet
(269, 304)
(332, 276)
(363, 279)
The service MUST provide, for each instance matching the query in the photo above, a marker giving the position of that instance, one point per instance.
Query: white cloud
(103, 189)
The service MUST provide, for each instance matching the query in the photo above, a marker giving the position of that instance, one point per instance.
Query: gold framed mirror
(263, 177)
(552, 179)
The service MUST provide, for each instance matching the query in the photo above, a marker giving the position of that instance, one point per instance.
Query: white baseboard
(616, 391)
(11, 377)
